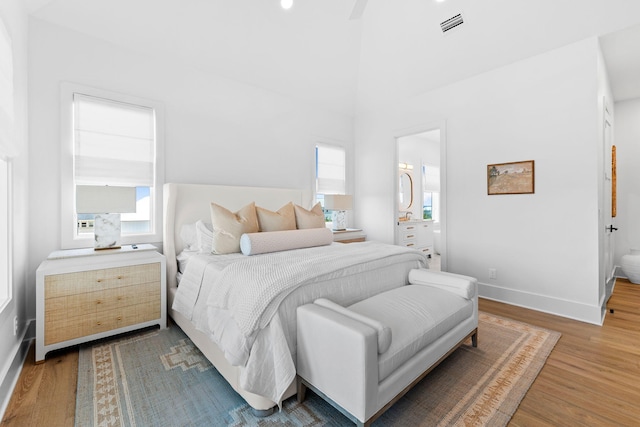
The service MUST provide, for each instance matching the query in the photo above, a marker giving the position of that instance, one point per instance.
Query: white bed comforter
(235, 300)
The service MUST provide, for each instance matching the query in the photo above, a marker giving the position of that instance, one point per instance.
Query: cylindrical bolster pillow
(274, 241)
(456, 283)
(384, 332)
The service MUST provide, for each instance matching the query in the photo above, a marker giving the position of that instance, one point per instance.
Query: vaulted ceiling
(315, 52)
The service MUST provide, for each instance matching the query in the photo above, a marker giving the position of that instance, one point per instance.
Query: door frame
(608, 243)
(427, 127)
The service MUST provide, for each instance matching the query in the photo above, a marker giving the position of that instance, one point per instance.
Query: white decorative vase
(631, 265)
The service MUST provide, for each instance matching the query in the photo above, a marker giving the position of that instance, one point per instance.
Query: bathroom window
(431, 192)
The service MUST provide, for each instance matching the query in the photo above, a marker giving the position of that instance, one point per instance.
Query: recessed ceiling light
(286, 4)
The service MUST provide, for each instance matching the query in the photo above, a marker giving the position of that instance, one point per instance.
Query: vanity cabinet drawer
(408, 235)
(427, 250)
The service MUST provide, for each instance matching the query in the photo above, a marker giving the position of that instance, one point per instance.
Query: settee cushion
(417, 316)
(384, 332)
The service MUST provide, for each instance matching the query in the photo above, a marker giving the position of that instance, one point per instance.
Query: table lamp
(338, 204)
(106, 202)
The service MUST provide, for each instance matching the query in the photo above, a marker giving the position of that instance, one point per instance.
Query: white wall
(217, 130)
(627, 140)
(15, 19)
(544, 245)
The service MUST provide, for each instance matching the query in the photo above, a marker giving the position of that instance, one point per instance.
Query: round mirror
(406, 191)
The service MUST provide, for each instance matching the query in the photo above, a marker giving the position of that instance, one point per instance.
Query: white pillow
(183, 259)
(229, 226)
(313, 218)
(384, 332)
(204, 235)
(189, 237)
(465, 286)
(275, 241)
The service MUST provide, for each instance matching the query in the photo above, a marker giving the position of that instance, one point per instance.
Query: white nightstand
(83, 295)
(350, 235)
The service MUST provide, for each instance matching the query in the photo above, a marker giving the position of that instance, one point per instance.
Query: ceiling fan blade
(358, 9)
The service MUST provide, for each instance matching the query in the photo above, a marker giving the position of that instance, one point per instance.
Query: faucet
(408, 215)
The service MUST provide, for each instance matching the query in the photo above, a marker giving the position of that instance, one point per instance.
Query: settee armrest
(338, 356)
(384, 332)
(465, 286)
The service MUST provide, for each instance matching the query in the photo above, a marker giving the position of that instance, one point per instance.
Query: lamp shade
(338, 202)
(96, 199)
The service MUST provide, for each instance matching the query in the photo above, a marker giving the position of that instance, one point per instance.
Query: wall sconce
(107, 203)
(338, 203)
(405, 166)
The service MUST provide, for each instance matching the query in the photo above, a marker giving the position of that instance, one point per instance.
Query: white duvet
(247, 304)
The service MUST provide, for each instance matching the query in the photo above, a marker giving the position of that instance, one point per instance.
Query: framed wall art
(511, 178)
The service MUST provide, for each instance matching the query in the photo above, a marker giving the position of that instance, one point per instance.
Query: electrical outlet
(493, 273)
(15, 326)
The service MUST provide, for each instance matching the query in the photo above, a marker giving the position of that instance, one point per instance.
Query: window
(431, 192)
(5, 234)
(6, 153)
(330, 172)
(111, 139)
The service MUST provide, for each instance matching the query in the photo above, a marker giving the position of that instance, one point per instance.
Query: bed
(262, 385)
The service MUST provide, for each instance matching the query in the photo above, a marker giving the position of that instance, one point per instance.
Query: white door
(609, 206)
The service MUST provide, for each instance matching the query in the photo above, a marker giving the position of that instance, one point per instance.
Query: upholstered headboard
(188, 203)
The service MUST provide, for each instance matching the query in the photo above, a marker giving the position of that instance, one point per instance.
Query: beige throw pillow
(228, 227)
(313, 218)
(283, 219)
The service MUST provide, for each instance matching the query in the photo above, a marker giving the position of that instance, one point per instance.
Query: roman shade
(114, 142)
(330, 170)
(430, 178)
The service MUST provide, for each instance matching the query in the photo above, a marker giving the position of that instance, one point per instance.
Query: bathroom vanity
(416, 234)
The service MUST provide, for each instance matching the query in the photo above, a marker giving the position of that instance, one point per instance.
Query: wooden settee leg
(302, 390)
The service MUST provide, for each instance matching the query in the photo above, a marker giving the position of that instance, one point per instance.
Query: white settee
(364, 357)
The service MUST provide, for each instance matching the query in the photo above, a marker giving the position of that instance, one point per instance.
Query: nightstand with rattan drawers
(83, 295)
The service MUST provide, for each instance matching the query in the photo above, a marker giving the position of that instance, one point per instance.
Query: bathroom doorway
(421, 166)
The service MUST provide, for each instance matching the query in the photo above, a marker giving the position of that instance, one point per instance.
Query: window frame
(7, 293)
(70, 239)
(315, 159)
(316, 195)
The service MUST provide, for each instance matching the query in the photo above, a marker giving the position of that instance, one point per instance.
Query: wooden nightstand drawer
(57, 285)
(350, 235)
(62, 308)
(97, 322)
(82, 295)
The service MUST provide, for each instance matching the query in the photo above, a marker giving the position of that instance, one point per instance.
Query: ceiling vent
(451, 23)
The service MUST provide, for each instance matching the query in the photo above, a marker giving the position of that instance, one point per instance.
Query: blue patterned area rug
(158, 378)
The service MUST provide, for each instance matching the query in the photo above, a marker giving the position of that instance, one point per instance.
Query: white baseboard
(8, 383)
(619, 273)
(559, 307)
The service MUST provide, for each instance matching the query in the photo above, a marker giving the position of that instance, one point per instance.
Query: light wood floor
(592, 377)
